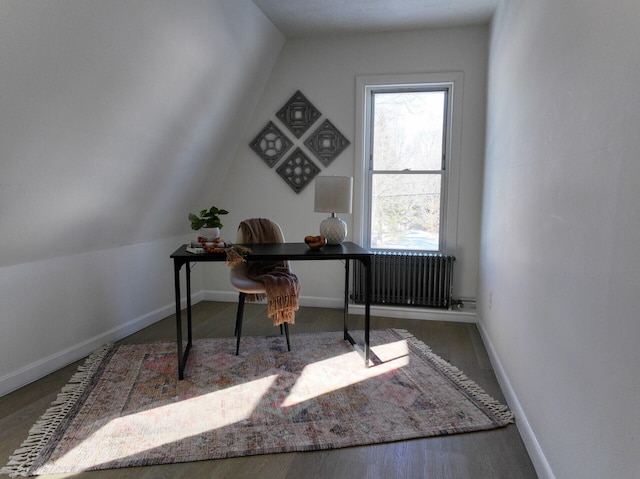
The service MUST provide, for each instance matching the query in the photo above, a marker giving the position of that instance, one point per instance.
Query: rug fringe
(21, 462)
(501, 412)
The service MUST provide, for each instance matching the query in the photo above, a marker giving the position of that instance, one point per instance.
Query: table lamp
(333, 195)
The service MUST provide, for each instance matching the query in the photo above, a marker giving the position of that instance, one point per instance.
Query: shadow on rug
(125, 406)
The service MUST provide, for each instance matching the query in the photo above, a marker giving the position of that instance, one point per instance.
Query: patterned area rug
(125, 406)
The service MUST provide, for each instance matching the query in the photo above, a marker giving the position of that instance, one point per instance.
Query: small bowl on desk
(315, 242)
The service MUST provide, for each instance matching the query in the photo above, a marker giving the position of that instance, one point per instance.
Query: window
(407, 168)
(408, 154)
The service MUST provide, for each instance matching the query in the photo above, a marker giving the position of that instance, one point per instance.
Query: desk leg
(367, 309)
(346, 299)
(189, 336)
(176, 274)
(182, 355)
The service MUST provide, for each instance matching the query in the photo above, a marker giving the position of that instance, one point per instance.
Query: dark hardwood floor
(482, 455)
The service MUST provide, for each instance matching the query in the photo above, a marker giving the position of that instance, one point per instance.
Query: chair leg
(238, 315)
(286, 330)
(238, 332)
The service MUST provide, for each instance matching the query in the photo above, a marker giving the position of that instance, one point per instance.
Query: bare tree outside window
(407, 169)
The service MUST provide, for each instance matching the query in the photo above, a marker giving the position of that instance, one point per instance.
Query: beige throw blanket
(281, 285)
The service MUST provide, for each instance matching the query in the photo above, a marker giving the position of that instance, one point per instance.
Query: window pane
(405, 211)
(408, 130)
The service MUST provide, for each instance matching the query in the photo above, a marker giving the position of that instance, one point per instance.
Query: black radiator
(415, 279)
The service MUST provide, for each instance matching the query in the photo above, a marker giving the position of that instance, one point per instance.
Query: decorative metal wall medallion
(298, 114)
(298, 170)
(271, 144)
(327, 143)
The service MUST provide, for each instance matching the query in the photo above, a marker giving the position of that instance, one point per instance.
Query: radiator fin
(415, 279)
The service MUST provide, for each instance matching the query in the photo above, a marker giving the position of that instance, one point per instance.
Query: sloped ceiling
(118, 118)
(296, 18)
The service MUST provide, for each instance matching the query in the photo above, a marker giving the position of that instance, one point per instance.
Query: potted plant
(208, 223)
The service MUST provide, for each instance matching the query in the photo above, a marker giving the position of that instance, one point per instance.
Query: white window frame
(365, 85)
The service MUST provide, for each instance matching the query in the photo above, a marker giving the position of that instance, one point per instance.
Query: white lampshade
(333, 195)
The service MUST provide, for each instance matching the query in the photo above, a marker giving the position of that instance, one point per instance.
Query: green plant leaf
(207, 219)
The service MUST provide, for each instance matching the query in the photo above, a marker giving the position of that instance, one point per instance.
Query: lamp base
(334, 230)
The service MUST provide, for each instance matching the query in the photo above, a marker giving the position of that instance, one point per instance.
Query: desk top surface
(289, 251)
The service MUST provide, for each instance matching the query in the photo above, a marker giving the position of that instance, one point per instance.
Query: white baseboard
(540, 463)
(310, 301)
(39, 369)
(221, 296)
(454, 315)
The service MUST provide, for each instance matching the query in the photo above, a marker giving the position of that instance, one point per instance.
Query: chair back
(261, 228)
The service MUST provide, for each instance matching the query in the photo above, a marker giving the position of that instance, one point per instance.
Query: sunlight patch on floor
(323, 377)
(175, 422)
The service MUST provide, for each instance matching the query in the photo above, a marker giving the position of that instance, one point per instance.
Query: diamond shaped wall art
(271, 144)
(298, 170)
(298, 114)
(327, 143)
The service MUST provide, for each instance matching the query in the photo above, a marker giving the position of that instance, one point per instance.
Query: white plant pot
(210, 234)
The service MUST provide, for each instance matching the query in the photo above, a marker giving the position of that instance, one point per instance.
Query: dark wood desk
(346, 251)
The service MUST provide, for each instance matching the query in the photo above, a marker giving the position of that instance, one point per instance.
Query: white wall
(116, 120)
(559, 275)
(325, 70)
